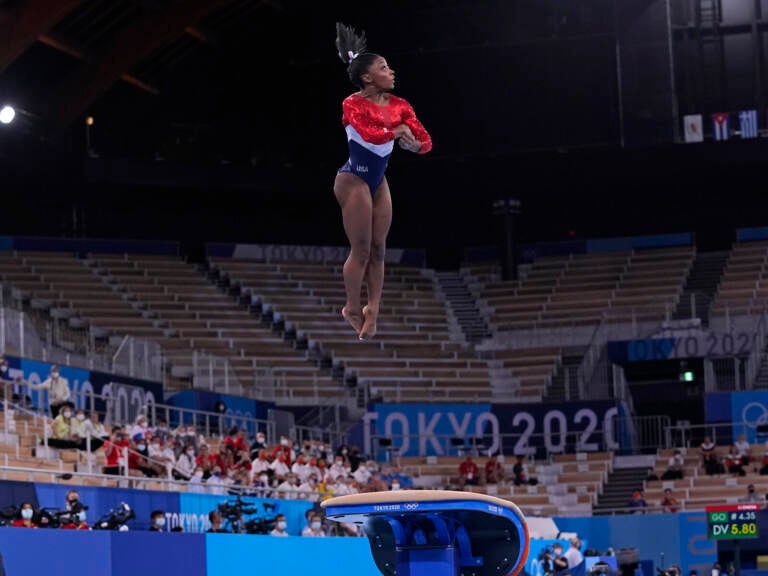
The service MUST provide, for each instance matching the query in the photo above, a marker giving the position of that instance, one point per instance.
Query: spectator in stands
(674, 469)
(743, 449)
(307, 490)
(733, 462)
(398, 479)
(573, 554)
(752, 496)
(61, 431)
(196, 482)
(283, 449)
(669, 503)
(469, 472)
(764, 469)
(140, 429)
(260, 466)
(375, 484)
(139, 461)
(161, 430)
(157, 521)
(520, 473)
(25, 518)
(315, 527)
(113, 453)
(637, 502)
(339, 467)
(185, 464)
(259, 444)
(494, 470)
(59, 394)
(364, 472)
(218, 482)
(188, 437)
(214, 517)
(205, 461)
(94, 428)
(288, 487)
(709, 457)
(300, 468)
(280, 467)
(280, 526)
(235, 440)
(80, 430)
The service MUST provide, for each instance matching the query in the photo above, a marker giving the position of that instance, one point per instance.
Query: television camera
(116, 518)
(233, 513)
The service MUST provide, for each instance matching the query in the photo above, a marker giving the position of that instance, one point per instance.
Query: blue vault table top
(437, 532)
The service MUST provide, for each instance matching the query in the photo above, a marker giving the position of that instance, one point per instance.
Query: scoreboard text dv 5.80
(732, 521)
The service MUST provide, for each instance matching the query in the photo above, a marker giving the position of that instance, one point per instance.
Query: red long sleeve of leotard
(376, 124)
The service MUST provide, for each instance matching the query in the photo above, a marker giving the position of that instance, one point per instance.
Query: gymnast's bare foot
(354, 318)
(369, 327)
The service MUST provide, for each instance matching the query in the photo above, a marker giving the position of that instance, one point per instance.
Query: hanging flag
(693, 128)
(748, 123)
(720, 126)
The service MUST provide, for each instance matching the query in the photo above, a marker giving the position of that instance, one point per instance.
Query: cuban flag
(748, 123)
(720, 126)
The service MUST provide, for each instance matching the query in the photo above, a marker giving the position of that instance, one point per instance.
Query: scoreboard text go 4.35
(732, 521)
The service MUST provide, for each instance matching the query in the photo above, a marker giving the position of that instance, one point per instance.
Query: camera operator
(25, 517)
(559, 561)
(214, 517)
(76, 519)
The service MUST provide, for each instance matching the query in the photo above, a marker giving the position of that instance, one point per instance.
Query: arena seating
(584, 289)
(569, 483)
(743, 289)
(419, 353)
(697, 490)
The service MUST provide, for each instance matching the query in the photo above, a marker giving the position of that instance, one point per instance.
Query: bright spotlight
(7, 114)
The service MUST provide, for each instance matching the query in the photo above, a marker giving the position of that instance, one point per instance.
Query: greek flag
(720, 126)
(748, 123)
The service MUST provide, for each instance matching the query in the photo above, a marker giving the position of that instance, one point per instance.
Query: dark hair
(156, 513)
(352, 51)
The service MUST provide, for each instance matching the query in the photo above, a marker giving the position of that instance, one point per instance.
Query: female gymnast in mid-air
(373, 119)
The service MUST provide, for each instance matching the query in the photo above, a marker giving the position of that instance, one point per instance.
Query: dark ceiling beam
(23, 22)
(77, 53)
(129, 47)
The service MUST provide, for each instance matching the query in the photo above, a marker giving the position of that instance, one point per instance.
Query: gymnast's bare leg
(356, 204)
(382, 219)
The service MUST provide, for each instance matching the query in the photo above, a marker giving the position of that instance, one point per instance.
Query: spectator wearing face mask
(80, 432)
(235, 441)
(25, 517)
(139, 461)
(280, 467)
(61, 431)
(283, 449)
(281, 526)
(157, 521)
(339, 468)
(141, 429)
(259, 444)
(364, 472)
(205, 460)
(218, 482)
(162, 431)
(185, 465)
(59, 394)
(315, 528)
(752, 496)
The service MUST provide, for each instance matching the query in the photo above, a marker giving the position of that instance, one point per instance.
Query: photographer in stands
(59, 393)
(559, 562)
(280, 526)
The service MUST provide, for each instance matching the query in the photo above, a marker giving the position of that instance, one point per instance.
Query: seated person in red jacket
(25, 519)
(494, 471)
(469, 472)
(235, 441)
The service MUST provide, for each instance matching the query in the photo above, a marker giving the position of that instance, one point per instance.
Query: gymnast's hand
(406, 140)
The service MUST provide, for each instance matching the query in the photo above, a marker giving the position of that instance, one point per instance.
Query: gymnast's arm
(423, 140)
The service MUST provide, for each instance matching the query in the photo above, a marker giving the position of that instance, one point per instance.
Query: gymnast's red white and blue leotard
(371, 137)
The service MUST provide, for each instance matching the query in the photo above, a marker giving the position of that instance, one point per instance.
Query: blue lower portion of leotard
(366, 165)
